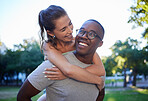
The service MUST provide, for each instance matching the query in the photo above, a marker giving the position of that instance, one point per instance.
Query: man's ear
(50, 33)
(100, 43)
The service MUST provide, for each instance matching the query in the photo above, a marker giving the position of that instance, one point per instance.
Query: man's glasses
(90, 35)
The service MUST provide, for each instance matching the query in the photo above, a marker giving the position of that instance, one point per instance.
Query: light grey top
(63, 90)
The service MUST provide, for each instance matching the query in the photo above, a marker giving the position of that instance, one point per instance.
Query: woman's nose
(70, 30)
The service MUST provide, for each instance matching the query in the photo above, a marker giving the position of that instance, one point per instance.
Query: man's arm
(26, 92)
(101, 95)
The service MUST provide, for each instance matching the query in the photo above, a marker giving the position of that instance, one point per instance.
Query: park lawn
(126, 95)
(108, 81)
(9, 94)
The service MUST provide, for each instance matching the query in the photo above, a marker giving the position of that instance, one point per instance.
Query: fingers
(54, 74)
(45, 58)
(101, 86)
(53, 77)
(54, 69)
(50, 73)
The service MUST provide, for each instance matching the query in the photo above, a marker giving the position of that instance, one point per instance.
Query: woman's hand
(46, 47)
(54, 74)
(49, 51)
(102, 83)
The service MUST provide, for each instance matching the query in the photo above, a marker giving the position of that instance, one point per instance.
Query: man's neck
(84, 58)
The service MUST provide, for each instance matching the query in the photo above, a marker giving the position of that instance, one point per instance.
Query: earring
(54, 37)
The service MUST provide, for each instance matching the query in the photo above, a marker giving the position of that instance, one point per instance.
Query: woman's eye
(63, 29)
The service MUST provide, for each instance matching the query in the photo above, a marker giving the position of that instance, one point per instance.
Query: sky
(19, 19)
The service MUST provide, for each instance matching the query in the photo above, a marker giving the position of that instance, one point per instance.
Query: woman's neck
(65, 46)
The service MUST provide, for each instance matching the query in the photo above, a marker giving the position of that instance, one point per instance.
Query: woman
(56, 23)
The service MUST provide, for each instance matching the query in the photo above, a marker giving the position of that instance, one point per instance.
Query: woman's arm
(98, 67)
(70, 70)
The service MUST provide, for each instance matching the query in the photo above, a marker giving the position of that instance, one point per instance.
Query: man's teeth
(83, 44)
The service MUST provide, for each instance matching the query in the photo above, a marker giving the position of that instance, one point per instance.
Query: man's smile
(83, 44)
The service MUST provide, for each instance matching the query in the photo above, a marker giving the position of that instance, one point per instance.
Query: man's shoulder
(69, 54)
(46, 63)
(42, 66)
(37, 79)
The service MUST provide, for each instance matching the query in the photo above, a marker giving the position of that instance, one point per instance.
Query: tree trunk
(17, 81)
(145, 77)
(134, 78)
(7, 80)
(124, 85)
(1, 78)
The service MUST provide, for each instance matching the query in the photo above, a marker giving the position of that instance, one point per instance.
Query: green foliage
(129, 54)
(31, 55)
(110, 65)
(23, 58)
(3, 63)
(128, 51)
(139, 15)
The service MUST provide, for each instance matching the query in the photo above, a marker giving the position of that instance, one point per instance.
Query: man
(88, 39)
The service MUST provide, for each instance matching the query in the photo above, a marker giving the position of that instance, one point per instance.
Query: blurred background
(124, 51)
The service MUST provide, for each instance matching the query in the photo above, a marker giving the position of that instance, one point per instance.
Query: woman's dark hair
(46, 21)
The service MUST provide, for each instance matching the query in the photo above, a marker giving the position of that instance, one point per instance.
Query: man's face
(85, 46)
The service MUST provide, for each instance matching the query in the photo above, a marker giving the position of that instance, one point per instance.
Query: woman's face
(63, 29)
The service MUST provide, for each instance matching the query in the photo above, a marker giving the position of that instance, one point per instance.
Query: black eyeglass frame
(95, 35)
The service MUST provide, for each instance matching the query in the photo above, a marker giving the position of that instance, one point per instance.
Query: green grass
(110, 81)
(126, 95)
(10, 93)
(112, 94)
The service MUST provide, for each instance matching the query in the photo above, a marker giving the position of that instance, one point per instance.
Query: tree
(122, 65)
(130, 52)
(144, 65)
(119, 52)
(3, 63)
(11, 64)
(139, 15)
(31, 55)
(23, 58)
(109, 64)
